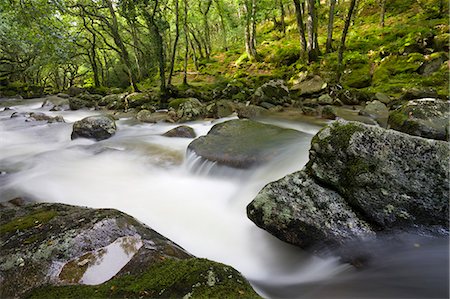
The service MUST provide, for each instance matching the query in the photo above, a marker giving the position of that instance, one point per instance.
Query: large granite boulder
(393, 179)
(274, 92)
(426, 117)
(298, 210)
(55, 250)
(98, 127)
(243, 143)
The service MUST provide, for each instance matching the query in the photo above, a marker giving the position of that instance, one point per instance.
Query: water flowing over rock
(394, 179)
(51, 245)
(426, 117)
(360, 179)
(243, 143)
(298, 210)
(274, 92)
(181, 131)
(97, 127)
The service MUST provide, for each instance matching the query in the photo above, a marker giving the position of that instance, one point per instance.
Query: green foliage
(25, 222)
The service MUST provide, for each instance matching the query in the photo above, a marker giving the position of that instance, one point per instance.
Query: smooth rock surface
(98, 127)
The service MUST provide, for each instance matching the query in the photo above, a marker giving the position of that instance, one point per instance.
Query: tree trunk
(300, 25)
(283, 15)
(175, 43)
(311, 26)
(250, 29)
(186, 41)
(329, 44)
(206, 26)
(383, 13)
(344, 36)
(222, 24)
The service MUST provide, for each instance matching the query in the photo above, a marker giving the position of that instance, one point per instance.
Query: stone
(190, 109)
(325, 99)
(310, 111)
(311, 86)
(395, 180)
(298, 210)
(377, 111)
(113, 101)
(56, 103)
(137, 99)
(74, 91)
(274, 92)
(250, 111)
(148, 116)
(98, 127)
(181, 131)
(428, 118)
(220, 109)
(432, 65)
(63, 95)
(37, 116)
(80, 103)
(48, 246)
(243, 144)
(329, 112)
(383, 98)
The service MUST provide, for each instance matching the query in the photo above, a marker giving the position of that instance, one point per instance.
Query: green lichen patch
(25, 222)
(339, 136)
(195, 278)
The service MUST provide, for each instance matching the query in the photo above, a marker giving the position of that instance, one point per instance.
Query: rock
(412, 94)
(393, 179)
(310, 111)
(383, 98)
(113, 101)
(329, 112)
(74, 91)
(181, 131)
(97, 127)
(190, 109)
(38, 116)
(428, 118)
(298, 210)
(267, 105)
(243, 143)
(325, 99)
(250, 111)
(147, 116)
(428, 67)
(56, 103)
(219, 109)
(46, 246)
(311, 86)
(137, 99)
(377, 111)
(79, 103)
(274, 92)
(63, 95)
(358, 77)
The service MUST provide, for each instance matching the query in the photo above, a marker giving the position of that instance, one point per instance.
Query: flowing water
(196, 204)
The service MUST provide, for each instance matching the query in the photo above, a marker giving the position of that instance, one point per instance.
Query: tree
(343, 37)
(329, 43)
(300, 25)
(249, 7)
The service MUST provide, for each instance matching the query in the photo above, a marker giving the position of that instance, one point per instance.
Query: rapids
(194, 203)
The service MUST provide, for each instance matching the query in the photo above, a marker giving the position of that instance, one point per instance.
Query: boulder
(74, 91)
(274, 92)
(383, 98)
(190, 109)
(137, 99)
(37, 116)
(250, 111)
(311, 86)
(395, 180)
(329, 112)
(113, 101)
(310, 111)
(56, 103)
(298, 210)
(432, 65)
(181, 131)
(243, 143)
(98, 127)
(219, 109)
(50, 250)
(426, 117)
(325, 99)
(377, 111)
(79, 103)
(148, 116)
(63, 95)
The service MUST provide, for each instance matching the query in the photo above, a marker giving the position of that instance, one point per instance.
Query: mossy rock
(175, 103)
(395, 64)
(244, 143)
(196, 278)
(357, 78)
(137, 99)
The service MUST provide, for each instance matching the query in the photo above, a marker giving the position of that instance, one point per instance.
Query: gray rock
(274, 92)
(191, 109)
(56, 103)
(310, 111)
(181, 131)
(377, 111)
(137, 99)
(97, 127)
(311, 86)
(37, 116)
(383, 98)
(329, 112)
(429, 67)
(148, 116)
(63, 95)
(219, 109)
(80, 103)
(427, 118)
(74, 91)
(395, 180)
(250, 111)
(325, 99)
(297, 210)
(243, 143)
(113, 101)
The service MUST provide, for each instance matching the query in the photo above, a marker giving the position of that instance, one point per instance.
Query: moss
(397, 118)
(357, 78)
(26, 222)
(176, 103)
(340, 135)
(196, 278)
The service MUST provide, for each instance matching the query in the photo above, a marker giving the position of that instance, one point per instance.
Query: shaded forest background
(112, 46)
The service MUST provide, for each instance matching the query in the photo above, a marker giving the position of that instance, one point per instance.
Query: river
(198, 205)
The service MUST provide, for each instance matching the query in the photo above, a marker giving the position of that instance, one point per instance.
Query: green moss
(26, 222)
(176, 103)
(196, 278)
(339, 137)
(357, 78)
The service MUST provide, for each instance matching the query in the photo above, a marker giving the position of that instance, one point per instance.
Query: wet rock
(181, 131)
(113, 101)
(383, 98)
(250, 111)
(395, 180)
(56, 103)
(137, 99)
(63, 95)
(79, 103)
(219, 109)
(325, 99)
(310, 111)
(412, 94)
(37, 116)
(311, 86)
(427, 118)
(73, 91)
(298, 210)
(190, 109)
(274, 92)
(97, 127)
(148, 116)
(329, 112)
(243, 143)
(377, 111)
(433, 64)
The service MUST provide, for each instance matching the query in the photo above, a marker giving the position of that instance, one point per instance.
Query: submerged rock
(181, 131)
(97, 127)
(46, 244)
(426, 117)
(296, 209)
(394, 179)
(243, 143)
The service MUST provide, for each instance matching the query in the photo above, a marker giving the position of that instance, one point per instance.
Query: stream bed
(198, 205)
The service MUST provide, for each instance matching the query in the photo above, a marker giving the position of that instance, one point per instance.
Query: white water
(147, 176)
